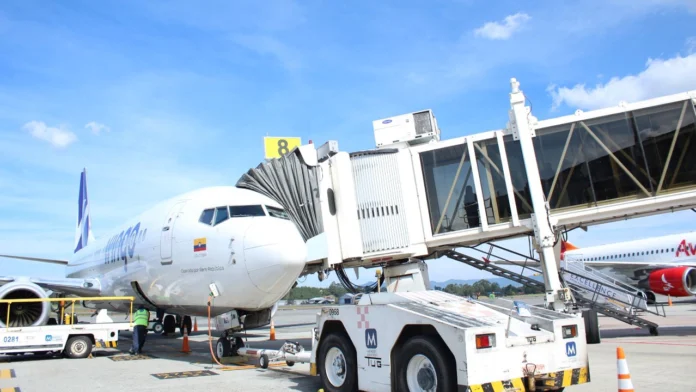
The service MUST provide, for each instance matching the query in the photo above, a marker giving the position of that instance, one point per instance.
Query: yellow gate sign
(276, 147)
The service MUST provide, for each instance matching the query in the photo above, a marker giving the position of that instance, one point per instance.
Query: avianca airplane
(664, 265)
(168, 256)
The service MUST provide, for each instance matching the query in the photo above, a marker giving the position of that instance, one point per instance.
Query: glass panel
(450, 189)
(571, 183)
(207, 216)
(221, 215)
(490, 168)
(518, 177)
(277, 213)
(656, 130)
(245, 211)
(616, 156)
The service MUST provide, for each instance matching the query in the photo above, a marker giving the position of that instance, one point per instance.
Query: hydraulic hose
(210, 339)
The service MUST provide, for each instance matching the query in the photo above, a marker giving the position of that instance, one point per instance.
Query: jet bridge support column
(522, 127)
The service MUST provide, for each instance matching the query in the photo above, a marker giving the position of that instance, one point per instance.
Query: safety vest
(141, 317)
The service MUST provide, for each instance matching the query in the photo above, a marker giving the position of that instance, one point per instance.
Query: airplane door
(168, 232)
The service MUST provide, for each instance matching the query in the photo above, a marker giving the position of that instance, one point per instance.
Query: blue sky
(158, 98)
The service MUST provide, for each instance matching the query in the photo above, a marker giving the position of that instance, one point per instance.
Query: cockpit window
(277, 212)
(244, 211)
(207, 216)
(221, 215)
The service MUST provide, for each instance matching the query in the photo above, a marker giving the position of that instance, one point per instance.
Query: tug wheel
(338, 364)
(422, 365)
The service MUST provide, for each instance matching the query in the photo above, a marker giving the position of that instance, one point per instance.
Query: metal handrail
(9, 303)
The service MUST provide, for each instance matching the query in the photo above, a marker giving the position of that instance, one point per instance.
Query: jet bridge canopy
(397, 203)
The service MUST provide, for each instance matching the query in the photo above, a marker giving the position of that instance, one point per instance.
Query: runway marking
(192, 373)
(7, 373)
(12, 389)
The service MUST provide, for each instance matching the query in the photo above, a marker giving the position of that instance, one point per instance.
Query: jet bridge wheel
(338, 363)
(422, 365)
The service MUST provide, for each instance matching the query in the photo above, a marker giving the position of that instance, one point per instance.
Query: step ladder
(597, 300)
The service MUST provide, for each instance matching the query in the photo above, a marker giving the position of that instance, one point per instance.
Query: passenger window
(277, 213)
(207, 216)
(245, 211)
(221, 215)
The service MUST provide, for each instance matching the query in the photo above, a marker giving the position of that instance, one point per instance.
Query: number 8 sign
(276, 147)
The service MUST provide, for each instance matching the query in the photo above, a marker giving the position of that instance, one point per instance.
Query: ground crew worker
(141, 319)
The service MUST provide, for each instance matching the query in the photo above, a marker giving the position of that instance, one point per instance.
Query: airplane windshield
(244, 211)
(277, 213)
(207, 216)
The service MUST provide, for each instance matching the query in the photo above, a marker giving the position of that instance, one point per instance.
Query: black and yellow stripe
(7, 373)
(103, 344)
(557, 379)
(11, 389)
(495, 386)
(568, 377)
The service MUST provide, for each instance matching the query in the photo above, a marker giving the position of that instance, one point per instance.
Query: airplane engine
(677, 282)
(24, 314)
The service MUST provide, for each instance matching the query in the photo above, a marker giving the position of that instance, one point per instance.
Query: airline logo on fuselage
(687, 248)
(122, 246)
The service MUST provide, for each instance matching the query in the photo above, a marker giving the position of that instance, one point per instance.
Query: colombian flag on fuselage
(199, 244)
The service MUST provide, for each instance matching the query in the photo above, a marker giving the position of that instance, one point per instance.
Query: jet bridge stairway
(597, 298)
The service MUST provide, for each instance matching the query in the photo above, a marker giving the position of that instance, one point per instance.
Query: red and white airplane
(664, 265)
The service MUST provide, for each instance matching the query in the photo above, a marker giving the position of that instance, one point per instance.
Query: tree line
(482, 287)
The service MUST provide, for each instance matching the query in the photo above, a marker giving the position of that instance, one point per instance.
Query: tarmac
(656, 363)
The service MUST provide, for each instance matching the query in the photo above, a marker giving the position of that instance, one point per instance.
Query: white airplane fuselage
(673, 249)
(173, 257)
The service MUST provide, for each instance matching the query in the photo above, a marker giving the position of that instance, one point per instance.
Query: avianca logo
(668, 286)
(687, 248)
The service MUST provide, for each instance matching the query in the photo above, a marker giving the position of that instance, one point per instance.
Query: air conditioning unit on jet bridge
(406, 129)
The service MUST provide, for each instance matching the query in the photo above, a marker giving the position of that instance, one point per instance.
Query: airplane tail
(566, 247)
(83, 231)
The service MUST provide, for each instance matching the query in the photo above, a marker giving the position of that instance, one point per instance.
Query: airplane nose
(274, 254)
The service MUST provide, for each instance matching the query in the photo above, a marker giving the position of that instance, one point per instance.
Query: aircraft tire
(592, 333)
(222, 348)
(187, 324)
(169, 324)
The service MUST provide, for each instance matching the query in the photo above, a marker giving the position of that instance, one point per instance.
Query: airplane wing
(613, 264)
(79, 287)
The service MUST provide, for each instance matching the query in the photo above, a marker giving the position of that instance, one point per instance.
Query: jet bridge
(418, 196)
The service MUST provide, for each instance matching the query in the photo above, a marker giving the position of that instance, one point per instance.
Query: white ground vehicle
(70, 340)
(416, 197)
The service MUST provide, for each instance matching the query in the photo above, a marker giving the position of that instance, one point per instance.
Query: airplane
(168, 256)
(664, 265)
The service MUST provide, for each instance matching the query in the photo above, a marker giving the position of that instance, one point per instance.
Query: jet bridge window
(246, 211)
(277, 213)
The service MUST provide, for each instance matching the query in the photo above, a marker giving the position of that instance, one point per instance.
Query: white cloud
(660, 77)
(510, 25)
(58, 137)
(97, 128)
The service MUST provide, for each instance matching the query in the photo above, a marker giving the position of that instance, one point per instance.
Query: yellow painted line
(476, 388)
(7, 373)
(10, 390)
(567, 377)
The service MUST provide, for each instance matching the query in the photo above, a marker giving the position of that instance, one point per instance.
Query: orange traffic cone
(195, 324)
(669, 300)
(185, 346)
(272, 331)
(625, 383)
